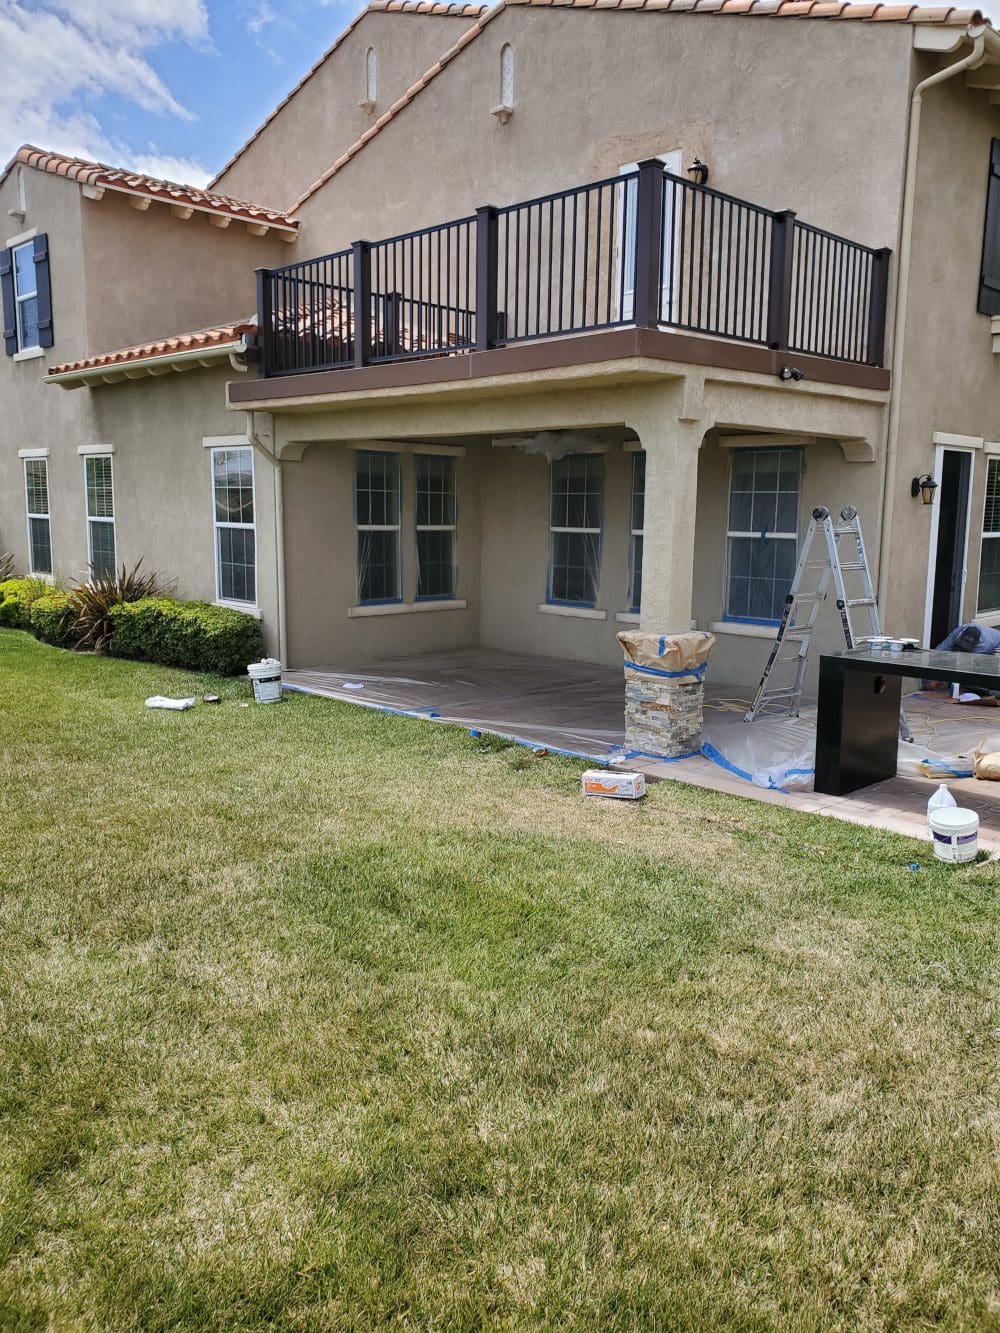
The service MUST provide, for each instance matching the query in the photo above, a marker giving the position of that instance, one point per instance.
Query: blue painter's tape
(717, 757)
(697, 671)
(660, 758)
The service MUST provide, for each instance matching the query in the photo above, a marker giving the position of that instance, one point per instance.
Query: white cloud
(62, 54)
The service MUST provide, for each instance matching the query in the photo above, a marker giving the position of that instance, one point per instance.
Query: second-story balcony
(646, 249)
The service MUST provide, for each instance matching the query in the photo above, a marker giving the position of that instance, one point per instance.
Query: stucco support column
(669, 520)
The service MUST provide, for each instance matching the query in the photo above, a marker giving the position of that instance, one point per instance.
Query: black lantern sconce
(925, 487)
(697, 172)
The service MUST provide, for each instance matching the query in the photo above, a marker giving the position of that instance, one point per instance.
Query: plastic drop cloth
(779, 751)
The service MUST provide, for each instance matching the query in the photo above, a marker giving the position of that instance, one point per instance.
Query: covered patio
(576, 708)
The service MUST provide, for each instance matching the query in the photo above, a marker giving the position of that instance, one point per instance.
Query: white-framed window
(371, 75)
(100, 493)
(377, 510)
(36, 494)
(25, 295)
(763, 536)
(628, 198)
(637, 507)
(436, 521)
(576, 516)
(234, 509)
(989, 557)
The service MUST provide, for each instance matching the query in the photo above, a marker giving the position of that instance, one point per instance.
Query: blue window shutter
(9, 312)
(44, 288)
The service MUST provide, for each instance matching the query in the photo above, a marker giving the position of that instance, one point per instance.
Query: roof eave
(194, 358)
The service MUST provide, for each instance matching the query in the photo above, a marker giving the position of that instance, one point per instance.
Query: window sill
(991, 618)
(245, 607)
(29, 354)
(744, 631)
(627, 617)
(580, 612)
(404, 608)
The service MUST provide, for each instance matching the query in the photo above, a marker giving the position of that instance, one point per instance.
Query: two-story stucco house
(567, 329)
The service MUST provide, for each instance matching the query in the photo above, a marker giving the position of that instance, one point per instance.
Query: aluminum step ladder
(802, 605)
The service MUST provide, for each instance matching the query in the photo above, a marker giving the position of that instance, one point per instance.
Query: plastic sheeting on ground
(779, 751)
(566, 707)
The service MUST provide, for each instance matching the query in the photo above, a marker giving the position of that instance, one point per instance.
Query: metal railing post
(648, 244)
(877, 302)
(361, 253)
(265, 320)
(486, 277)
(779, 287)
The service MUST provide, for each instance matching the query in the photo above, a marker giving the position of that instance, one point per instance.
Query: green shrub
(194, 635)
(51, 619)
(16, 598)
(93, 601)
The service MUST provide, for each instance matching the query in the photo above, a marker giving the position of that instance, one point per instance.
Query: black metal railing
(645, 248)
(305, 314)
(564, 262)
(423, 290)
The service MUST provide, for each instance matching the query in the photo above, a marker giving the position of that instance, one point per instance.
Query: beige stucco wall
(148, 275)
(321, 564)
(805, 117)
(951, 378)
(323, 117)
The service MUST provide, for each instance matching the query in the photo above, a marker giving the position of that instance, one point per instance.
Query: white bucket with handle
(265, 677)
(955, 833)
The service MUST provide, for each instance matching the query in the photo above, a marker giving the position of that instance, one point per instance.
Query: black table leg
(857, 728)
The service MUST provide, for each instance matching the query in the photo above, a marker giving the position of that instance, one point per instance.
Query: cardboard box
(613, 783)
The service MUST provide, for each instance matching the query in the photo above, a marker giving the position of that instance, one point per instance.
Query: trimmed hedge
(51, 619)
(194, 635)
(16, 598)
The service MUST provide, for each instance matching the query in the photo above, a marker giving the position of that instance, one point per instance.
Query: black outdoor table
(857, 724)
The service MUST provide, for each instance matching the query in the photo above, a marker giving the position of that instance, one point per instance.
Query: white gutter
(981, 37)
(162, 364)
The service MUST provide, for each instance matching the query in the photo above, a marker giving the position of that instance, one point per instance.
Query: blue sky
(170, 87)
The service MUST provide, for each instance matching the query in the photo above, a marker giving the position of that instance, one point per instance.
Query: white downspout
(279, 533)
(975, 58)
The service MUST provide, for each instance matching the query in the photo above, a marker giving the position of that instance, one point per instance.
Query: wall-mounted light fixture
(925, 487)
(791, 373)
(697, 172)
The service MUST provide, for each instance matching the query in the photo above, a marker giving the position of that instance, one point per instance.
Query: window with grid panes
(377, 505)
(575, 529)
(636, 521)
(235, 525)
(436, 517)
(36, 493)
(101, 553)
(989, 560)
(762, 538)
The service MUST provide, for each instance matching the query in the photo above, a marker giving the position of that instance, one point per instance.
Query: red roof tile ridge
(802, 9)
(471, 11)
(100, 174)
(214, 336)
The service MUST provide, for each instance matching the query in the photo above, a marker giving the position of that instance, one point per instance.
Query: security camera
(791, 373)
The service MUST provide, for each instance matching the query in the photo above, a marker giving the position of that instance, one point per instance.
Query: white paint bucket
(955, 833)
(266, 680)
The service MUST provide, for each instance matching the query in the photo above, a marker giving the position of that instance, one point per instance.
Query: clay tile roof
(442, 10)
(101, 176)
(202, 339)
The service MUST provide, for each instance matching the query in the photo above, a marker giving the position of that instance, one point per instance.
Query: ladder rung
(808, 596)
(856, 566)
(860, 601)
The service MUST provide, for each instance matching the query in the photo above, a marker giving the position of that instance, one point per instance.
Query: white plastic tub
(265, 677)
(955, 833)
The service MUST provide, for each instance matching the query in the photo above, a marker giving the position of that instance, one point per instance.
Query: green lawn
(313, 1018)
